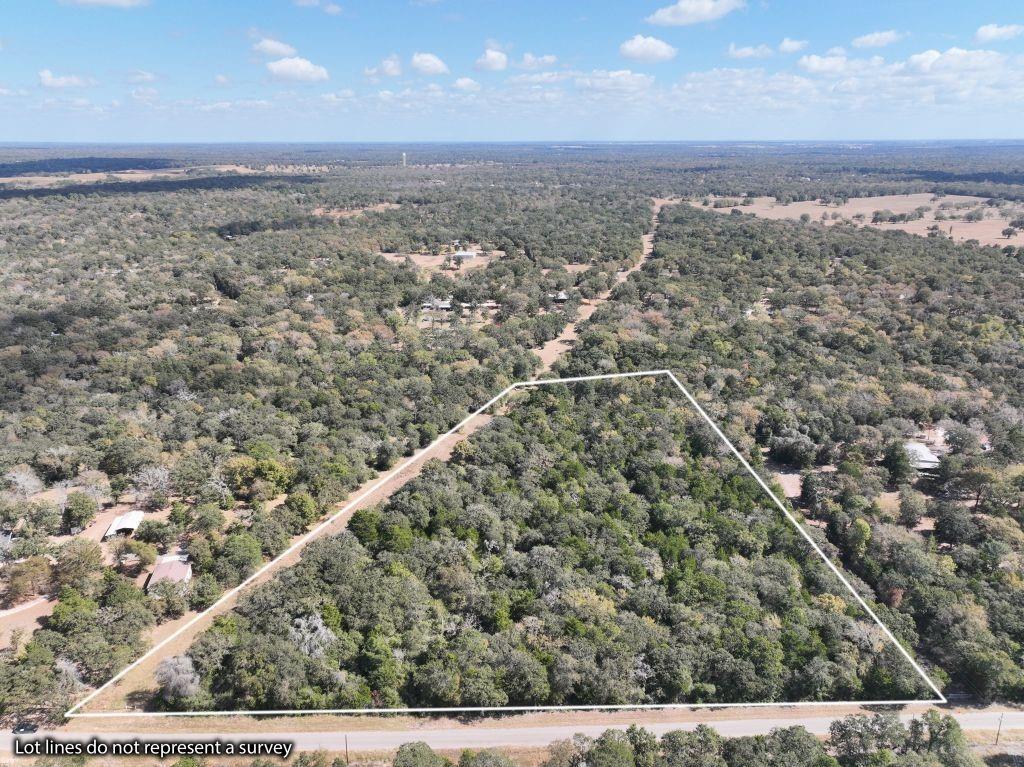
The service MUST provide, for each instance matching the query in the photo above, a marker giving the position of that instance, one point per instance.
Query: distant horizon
(566, 143)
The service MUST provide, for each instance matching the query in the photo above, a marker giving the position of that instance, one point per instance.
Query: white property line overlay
(303, 540)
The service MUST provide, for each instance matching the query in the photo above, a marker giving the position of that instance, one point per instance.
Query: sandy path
(557, 346)
(125, 693)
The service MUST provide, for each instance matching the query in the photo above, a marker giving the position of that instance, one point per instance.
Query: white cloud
(222, 80)
(108, 3)
(954, 59)
(492, 60)
(749, 51)
(529, 61)
(728, 91)
(467, 84)
(539, 78)
(390, 66)
(428, 64)
(993, 32)
(641, 48)
(49, 80)
(822, 64)
(141, 76)
(275, 48)
(789, 45)
(877, 39)
(332, 9)
(685, 12)
(297, 69)
(617, 81)
(836, 50)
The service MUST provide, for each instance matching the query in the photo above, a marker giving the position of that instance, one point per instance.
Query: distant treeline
(84, 165)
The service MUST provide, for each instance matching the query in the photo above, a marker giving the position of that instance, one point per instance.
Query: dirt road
(556, 347)
(130, 690)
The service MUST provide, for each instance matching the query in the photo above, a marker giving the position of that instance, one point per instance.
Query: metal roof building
(921, 456)
(124, 524)
(175, 568)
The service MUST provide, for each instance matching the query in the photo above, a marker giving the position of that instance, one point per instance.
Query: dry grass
(987, 231)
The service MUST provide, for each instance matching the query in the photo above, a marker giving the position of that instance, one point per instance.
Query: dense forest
(150, 362)
(232, 352)
(826, 348)
(593, 546)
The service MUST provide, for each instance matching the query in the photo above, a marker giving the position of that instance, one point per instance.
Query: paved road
(528, 737)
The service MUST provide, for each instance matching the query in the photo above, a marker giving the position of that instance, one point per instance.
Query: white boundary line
(303, 540)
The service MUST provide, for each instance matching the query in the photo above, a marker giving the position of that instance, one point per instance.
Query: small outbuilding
(175, 568)
(126, 524)
(921, 456)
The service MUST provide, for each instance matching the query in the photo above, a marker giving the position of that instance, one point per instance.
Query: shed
(125, 524)
(921, 456)
(175, 568)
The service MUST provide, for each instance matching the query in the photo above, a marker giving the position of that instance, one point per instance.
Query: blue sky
(440, 70)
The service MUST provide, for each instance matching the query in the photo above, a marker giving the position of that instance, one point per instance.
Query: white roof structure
(126, 524)
(921, 456)
(466, 254)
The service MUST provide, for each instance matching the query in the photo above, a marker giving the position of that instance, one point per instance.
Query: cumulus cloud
(141, 76)
(428, 64)
(390, 66)
(297, 69)
(686, 12)
(749, 51)
(789, 45)
(467, 84)
(955, 59)
(492, 60)
(270, 47)
(641, 48)
(989, 33)
(49, 80)
(529, 61)
(822, 64)
(877, 39)
(222, 80)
